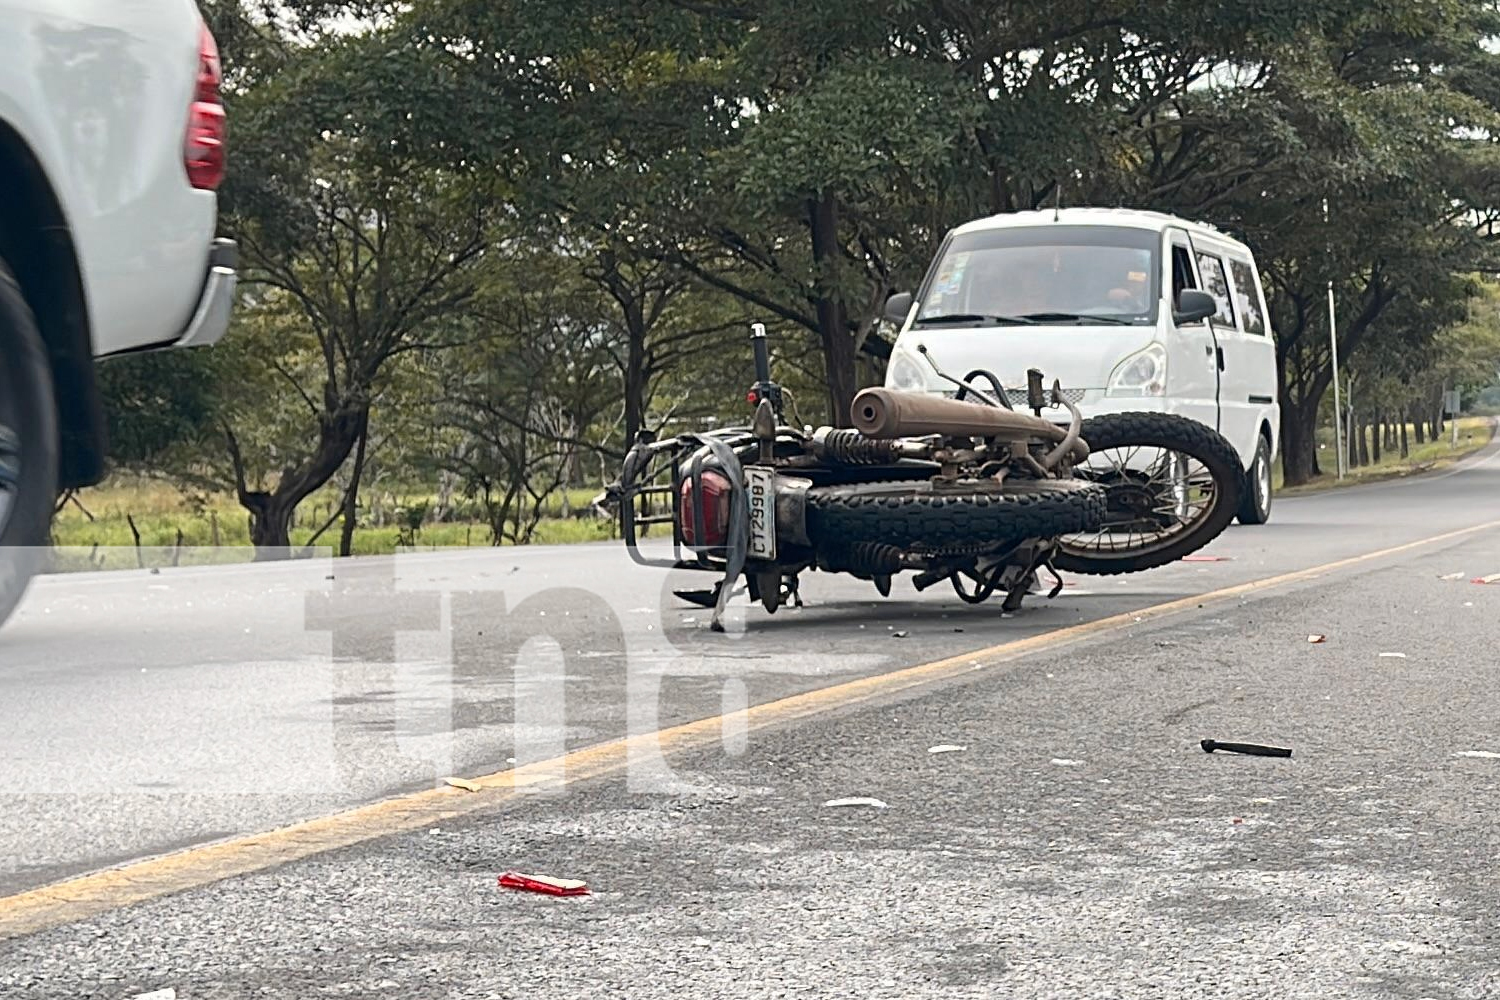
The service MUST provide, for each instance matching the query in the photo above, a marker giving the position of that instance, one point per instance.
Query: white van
(1095, 297)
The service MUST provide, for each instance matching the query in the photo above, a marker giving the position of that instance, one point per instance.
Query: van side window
(1182, 271)
(1217, 285)
(1247, 296)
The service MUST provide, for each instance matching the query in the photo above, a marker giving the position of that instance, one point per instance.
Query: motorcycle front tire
(1176, 433)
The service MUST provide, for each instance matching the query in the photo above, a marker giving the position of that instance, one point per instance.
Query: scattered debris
(1393, 656)
(1206, 559)
(1066, 762)
(690, 620)
(1253, 749)
(1317, 639)
(944, 748)
(1452, 576)
(1480, 754)
(465, 784)
(1493, 578)
(899, 635)
(1237, 821)
(1468, 604)
(544, 884)
(169, 993)
(841, 803)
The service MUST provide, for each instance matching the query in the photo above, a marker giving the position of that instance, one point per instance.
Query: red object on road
(544, 884)
(1205, 559)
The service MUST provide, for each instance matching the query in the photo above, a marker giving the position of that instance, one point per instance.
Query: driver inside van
(1131, 294)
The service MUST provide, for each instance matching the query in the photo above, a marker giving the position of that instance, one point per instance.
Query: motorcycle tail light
(716, 492)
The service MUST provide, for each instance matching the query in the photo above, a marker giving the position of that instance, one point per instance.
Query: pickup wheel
(28, 445)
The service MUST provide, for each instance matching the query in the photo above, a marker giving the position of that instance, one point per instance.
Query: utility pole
(1333, 346)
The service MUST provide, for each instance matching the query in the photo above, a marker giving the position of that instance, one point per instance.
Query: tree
(528, 397)
(345, 232)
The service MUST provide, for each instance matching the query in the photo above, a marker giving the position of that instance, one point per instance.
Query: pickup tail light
(716, 494)
(207, 123)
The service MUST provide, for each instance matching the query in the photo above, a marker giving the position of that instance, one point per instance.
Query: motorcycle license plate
(762, 498)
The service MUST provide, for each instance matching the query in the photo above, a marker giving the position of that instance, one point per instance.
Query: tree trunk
(271, 513)
(270, 524)
(351, 499)
(1299, 445)
(1360, 427)
(637, 378)
(1351, 439)
(1377, 435)
(1405, 445)
(833, 327)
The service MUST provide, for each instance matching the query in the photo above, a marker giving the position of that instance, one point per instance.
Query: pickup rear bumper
(216, 303)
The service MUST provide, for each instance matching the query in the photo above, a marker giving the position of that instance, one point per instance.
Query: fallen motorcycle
(960, 489)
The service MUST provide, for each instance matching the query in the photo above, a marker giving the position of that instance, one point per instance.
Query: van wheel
(1256, 506)
(28, 445)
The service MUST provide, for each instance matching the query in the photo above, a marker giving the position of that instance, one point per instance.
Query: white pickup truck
(112, 149)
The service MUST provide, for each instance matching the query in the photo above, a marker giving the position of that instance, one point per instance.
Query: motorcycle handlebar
(762, 353)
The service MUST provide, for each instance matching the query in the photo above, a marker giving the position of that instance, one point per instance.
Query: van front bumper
(216, 303)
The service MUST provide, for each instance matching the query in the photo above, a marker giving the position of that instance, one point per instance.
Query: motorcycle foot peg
(698, 598)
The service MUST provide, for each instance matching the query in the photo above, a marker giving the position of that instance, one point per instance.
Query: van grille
(1017, 397)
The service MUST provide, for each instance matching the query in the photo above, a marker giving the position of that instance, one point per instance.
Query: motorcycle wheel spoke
(1181, 486)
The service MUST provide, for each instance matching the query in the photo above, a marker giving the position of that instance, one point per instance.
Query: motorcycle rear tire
(1177, 433)
(916, 514)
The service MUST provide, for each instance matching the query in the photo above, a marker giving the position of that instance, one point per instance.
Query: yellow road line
(88, 895)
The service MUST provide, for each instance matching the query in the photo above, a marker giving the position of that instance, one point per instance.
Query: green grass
(1474, 433)
(176, 529)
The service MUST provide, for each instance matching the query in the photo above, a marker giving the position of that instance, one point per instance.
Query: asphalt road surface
(1080, 843)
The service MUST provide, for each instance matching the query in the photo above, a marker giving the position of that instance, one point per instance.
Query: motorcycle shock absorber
(849, 447)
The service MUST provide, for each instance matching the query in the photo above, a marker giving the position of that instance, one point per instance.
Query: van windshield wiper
(976, 318)
(1054, 317)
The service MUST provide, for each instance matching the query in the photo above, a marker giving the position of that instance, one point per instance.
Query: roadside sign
(1451, 403)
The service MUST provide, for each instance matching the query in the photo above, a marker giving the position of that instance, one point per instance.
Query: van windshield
(1053, 274)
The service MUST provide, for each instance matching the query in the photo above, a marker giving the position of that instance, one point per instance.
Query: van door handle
(1220, 351)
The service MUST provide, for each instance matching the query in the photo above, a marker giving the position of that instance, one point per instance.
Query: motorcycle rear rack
(646, 465)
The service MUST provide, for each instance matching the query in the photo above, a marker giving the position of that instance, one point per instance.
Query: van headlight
(905, 374)
(1142, 374)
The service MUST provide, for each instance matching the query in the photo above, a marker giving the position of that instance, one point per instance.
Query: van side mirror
(1193, 305)
(897, 307)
